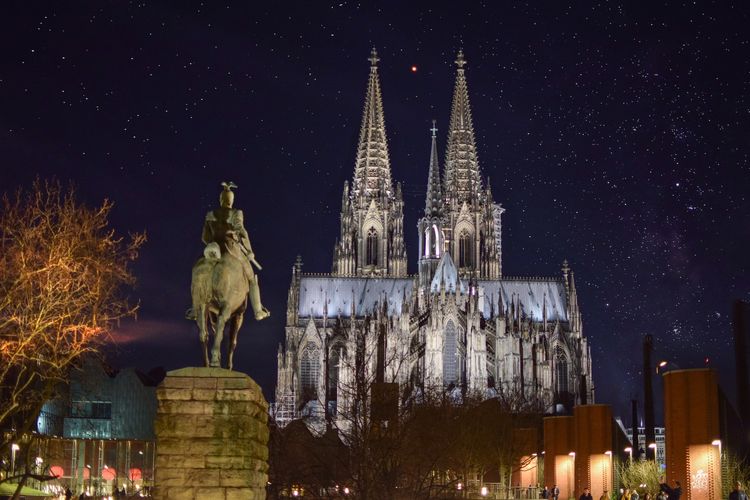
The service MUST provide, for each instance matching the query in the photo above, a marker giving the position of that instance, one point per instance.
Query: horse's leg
(202, 318)
(221, 321)
(235, 323)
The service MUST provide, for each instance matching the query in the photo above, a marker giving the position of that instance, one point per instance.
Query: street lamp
(13, 449)
(629, 450)
(717, 442)
(572, 473)
(89, 468)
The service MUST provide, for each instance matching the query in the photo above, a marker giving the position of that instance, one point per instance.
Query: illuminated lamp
(56, 471)
(108, 473)
(135, 474)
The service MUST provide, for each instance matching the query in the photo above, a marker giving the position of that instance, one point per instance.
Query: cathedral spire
(462, 177)
(433, 200)
(372, 170)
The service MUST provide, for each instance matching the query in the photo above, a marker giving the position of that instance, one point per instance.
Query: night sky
(615, 136)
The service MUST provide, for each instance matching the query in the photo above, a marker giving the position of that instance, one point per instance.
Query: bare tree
(63, 273)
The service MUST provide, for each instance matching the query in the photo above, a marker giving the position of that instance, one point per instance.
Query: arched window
(428, 243)
(450, 355)
(437, 241)
(334, 364)
(371, 255)
(465, 253)
(310, 370)
(561, 371)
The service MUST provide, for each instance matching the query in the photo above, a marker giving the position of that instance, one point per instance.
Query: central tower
(372, 213)
(461, 218)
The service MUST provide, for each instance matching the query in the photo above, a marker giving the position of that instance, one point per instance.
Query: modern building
(460, 325)
(100, 430)
(642, 446)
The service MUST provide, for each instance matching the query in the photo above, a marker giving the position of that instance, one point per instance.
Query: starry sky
(616, 135)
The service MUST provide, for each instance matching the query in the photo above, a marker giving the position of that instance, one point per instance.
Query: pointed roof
(372, 169)
(462, 176)
(433, 201)
(446, 274)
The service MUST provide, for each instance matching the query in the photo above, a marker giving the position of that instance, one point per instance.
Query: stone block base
(211, 436)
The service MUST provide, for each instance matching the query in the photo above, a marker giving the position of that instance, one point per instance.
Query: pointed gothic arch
(451, 363)
(465, 249)
(437, 241)
(336, 357)
(309, 371)
(562, 373)
(371, 247)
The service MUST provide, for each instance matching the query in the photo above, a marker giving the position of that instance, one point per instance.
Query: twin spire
(372, 172)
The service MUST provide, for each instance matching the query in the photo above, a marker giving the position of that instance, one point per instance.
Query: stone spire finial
(373, 59)
(460, 61)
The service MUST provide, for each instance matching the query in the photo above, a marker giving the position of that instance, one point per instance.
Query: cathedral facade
(459, 326)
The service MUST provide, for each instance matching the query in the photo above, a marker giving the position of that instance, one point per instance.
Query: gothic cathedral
(459, 326)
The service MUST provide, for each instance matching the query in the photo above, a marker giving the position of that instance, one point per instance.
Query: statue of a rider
(225, 227)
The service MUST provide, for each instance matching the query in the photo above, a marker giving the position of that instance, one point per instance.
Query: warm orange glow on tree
(63, 278)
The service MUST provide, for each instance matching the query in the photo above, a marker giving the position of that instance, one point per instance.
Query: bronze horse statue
(219, 290)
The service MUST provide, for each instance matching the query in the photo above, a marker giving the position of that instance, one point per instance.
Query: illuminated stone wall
(211, 436)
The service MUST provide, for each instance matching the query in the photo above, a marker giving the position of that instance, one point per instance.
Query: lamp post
(717, 442)
(572, 480)
(13, 449)
(89, 468)
(629, 450)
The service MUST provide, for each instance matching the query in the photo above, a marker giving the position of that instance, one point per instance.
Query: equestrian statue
(223, 279)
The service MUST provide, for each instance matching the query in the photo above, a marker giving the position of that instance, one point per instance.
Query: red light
(413, 69)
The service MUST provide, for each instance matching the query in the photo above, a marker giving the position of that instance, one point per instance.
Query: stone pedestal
(211, 436)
